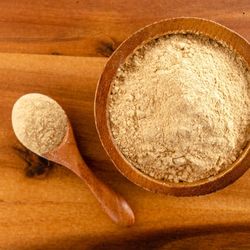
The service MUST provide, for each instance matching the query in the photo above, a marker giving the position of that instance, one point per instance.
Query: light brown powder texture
(39, 122)
(179, 108)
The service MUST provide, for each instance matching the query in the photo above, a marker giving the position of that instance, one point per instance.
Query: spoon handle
(112, 203)
(68, 155)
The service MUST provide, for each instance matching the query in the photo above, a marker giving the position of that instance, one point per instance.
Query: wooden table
(59, 48)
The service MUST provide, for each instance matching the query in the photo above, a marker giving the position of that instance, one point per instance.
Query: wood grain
(54, 209)
(59, 212)
(96, 28)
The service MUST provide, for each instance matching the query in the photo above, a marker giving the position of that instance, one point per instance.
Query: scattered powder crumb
(39, 122)
(179, 108)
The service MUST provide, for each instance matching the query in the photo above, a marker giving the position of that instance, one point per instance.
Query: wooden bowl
(208, 28)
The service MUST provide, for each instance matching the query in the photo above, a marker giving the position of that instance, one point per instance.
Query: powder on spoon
(39, 122)
(179, 108)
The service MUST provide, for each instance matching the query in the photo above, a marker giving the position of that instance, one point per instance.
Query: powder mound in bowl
(179, 107)
(39, 122)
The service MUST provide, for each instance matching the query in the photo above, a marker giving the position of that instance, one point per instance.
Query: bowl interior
(179, 25)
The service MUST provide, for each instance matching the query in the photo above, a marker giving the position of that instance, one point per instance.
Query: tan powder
(179, 107)
(39, 122)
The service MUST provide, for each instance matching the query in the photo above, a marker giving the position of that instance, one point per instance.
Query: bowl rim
(204, 186)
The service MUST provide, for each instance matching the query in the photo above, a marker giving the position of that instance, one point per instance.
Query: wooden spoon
(67, 154)
(29, 113)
